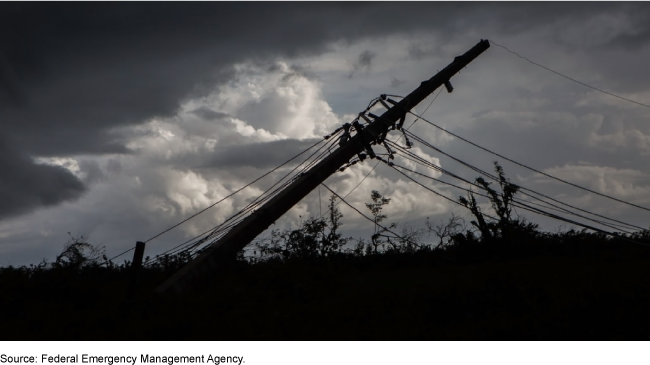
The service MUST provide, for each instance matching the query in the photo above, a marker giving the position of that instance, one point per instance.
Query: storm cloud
(363, 62)
(26, 185)
(74, 71)
(154, 110)
(258, 155)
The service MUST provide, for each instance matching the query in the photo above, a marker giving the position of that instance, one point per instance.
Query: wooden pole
(136, 265)
(240, 235)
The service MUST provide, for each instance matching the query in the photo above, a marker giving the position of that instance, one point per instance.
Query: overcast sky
(119, 119)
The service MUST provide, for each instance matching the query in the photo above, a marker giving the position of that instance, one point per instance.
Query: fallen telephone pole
(243, 233)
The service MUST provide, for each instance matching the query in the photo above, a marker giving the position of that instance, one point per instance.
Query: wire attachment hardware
(345, 137)
(448, 86)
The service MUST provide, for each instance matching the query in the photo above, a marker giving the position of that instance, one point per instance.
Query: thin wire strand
(523, 188)
(532, 169)
(425, 110)
(368, 218)
(534, 210)
(221, 229)
(427, 188)
(374, 167)
(570, 78)
(235, 192)
(555, 216)
(123, 253)
(514, 199)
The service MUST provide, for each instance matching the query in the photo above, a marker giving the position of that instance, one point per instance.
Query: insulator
(387, 148)
(448, 86)
(344, 139)
(358, 127)
(372, 105)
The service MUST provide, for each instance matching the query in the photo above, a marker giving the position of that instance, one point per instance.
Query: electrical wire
(221, 229)
(368, 218)
(374, 167)
(429, 189)
(233, 193)
(485, 196)
(419, 160)
(530, 168)
(416, 159)
(555, 216)
(524, 189)
(570, 78)
(490, 176)
(516, 203)
(425, 110)
(123, 253)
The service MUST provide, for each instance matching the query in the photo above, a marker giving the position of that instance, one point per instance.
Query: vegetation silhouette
(498, 278)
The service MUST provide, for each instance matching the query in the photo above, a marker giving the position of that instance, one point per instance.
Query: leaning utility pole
(243, 233)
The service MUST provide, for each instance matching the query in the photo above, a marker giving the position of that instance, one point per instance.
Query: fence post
(135, 270)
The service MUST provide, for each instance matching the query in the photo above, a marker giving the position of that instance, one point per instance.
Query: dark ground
(573, 292)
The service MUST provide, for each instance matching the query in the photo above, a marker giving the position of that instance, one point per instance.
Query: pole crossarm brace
(243, 233)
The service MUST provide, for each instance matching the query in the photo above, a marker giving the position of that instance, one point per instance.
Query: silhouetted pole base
(136, 265)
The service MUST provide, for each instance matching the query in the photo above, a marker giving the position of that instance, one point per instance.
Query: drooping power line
(233, 193)
(519, 204)
(217, 232)
(368, 218)
(530, 168)
(407, 128)
(570, 78)
(249, 207)
(522, 188)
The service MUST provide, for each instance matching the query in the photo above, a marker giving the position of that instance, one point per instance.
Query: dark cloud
(258, 155)
(25, 185)
(364, 61)
(75, 71)
(113, 167)
(631, 42)
(74, 75)
(418, 52)
(92, 172)
(10, 92)
(395, 82)
(554, 136)
(209, 114)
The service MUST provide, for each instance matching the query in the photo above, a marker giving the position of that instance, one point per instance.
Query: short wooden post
(135, 270)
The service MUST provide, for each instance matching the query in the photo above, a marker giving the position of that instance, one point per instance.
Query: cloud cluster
(120, 64)
(27, 185)
(364, 61)
(122, 119)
